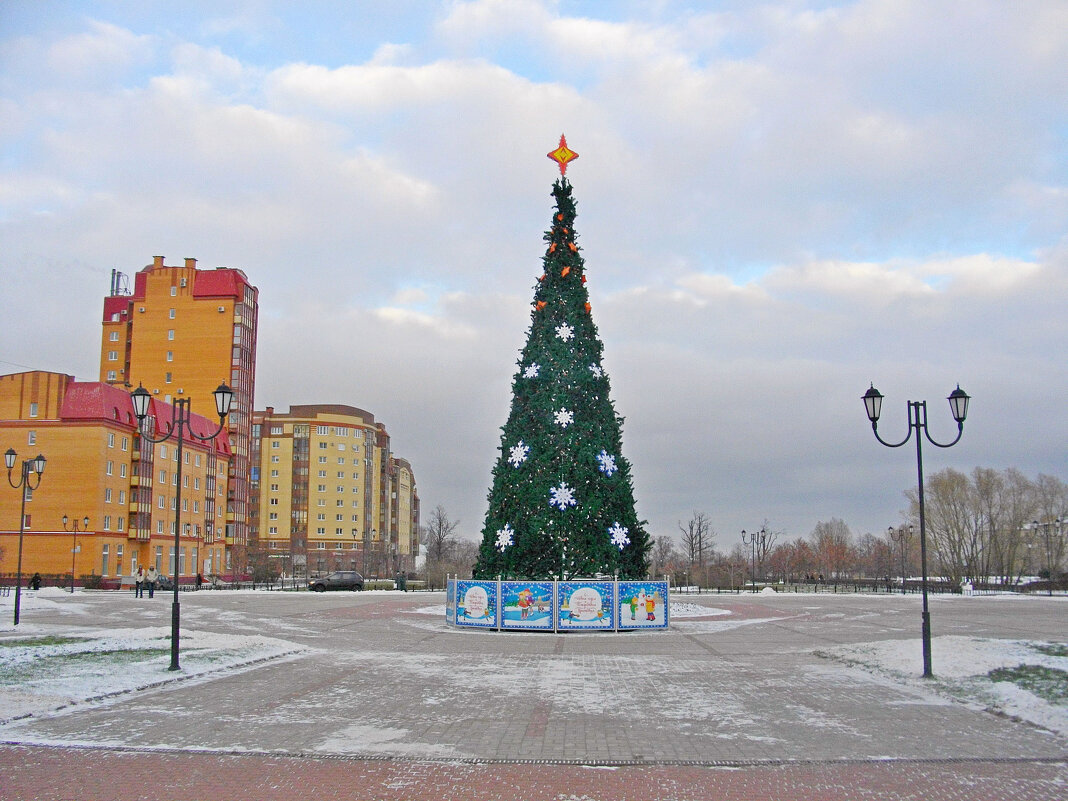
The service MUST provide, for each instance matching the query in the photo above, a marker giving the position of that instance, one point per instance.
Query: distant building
(99, 467)
(180, 333)
(327, 494)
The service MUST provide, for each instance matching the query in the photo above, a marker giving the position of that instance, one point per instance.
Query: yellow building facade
(101, 468)
(327, 494)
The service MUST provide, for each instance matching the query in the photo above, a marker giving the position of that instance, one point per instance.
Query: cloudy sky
(779, 203)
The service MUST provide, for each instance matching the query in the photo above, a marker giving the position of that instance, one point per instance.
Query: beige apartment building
(327, 493)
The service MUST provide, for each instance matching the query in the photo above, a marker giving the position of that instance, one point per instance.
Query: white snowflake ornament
(619, 535)
(518, 454)
(564, 418)
(596, 370)
(532, 371)
(607, 463)
(504, 537)
(562, 497)
(564, 332)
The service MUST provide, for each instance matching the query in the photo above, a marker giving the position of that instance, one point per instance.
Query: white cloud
(777, 204)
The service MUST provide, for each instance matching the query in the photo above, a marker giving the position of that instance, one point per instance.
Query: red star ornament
(563, 155)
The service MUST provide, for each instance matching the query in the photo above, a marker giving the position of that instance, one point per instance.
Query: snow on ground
(962, 668)
(48, 667)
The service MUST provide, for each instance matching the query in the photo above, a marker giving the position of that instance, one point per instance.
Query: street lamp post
(917, 413)
(25, 484)
(901, 535)
(1035, 526)
(752, 539)
(178, 429)
(74, 546)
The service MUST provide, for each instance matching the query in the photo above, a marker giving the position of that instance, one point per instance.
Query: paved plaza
(390, 703)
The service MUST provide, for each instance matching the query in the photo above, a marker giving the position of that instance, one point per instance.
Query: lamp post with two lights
(25, 484)
(917, 413)
(74, 546)
(178, 429)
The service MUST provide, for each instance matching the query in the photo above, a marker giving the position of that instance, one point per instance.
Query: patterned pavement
(391, 704)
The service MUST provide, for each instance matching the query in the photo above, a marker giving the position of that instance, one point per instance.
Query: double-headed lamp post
(178, 429)
(74, 546)
(25, 484)
(902, 535)
(958, 404)
(752, 539)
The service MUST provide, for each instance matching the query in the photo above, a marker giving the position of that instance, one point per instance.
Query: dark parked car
(164, 584)
(339, 580)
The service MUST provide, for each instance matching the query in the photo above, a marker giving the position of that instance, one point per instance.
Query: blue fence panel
(527, 605)
(585, 605)
(476, 604)
(643, 605)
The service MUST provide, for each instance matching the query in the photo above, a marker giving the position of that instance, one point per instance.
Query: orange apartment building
(327, 493)
(181, 332)
(99, 467)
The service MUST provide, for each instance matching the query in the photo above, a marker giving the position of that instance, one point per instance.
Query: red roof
(95, 400)
(222, 283)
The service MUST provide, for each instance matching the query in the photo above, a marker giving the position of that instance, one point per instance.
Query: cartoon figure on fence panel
(646, 597)
(526, 604)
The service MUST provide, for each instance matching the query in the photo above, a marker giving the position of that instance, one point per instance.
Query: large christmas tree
(562, 502)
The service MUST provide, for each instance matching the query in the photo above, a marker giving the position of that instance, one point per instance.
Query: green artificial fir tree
(562, 502)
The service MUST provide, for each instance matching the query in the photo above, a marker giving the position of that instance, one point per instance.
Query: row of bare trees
(980, 527)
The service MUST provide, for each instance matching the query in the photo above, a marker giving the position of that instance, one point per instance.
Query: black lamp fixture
(74, 546)
(29, 468)
(917, 414)
(178, 429)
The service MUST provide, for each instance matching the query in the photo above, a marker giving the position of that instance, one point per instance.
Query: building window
(341, 446)
(321, 487)
(321, 516)
(321, 530)
(162, 502)
(31, 437)
(107, 494)
(276, 431)
(113, 336)
(104, 559)
(109, 467)
(170, 333)
(162, 451)
(172, 314)
(33, 409)
(122, 524)
(274, 460)
(125, 443)
(167, 380)
(322, 446)
(111, 440)
(322, 430)
(162, 476)
(274, 501)
(275, 443)
(122, 470)
(272, 516)
(170, 355)
(274, 488)
(122, 497)
(322, 460)
(112, 376)
(174, 291)
(107, 524)
(113, 355)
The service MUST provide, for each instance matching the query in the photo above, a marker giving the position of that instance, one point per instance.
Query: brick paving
(63, 774)
(394, 705)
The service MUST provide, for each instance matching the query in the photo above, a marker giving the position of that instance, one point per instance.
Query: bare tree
(438, 536)
(698, 538)
(832, 542)
(662, 556)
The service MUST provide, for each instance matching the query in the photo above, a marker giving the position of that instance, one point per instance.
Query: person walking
(139, 582)
(151, 577)
(35, 582)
